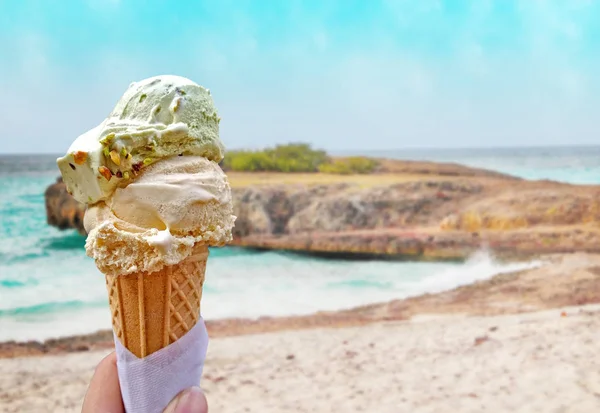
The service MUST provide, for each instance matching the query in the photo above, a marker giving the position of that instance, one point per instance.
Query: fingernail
(192, 401)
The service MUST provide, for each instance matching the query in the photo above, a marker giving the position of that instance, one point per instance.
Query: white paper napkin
(149, 384)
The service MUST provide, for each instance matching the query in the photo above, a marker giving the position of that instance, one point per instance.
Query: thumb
(104, 393)
(191, 400)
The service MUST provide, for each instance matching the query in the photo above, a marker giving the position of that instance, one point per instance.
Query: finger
(104, 393)
(188, 401)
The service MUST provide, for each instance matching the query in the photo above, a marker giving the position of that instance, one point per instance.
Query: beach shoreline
(535, 361)
(561, 280)
(518, 342)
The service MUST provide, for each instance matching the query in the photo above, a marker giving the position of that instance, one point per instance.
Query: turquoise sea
(50, 288)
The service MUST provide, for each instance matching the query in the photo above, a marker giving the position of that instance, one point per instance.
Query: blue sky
(340, 74)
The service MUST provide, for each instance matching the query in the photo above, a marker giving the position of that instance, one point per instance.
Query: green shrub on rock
(249, 161)
(295, 157)
(298, 157)
(351, 165)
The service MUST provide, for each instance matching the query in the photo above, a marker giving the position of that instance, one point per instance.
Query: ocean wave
(246, 284)
(17, 258)
(73, 240)
(12, 211)
(33, 199)
(361, 284)
(50, 307)
(480, 266)
(34, 327)
(13, 283)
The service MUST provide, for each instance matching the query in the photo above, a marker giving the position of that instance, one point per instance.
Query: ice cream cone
(152, 310)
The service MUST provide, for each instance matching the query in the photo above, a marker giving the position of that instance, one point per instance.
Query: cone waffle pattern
(152, 310)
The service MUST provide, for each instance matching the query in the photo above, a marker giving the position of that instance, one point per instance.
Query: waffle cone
(152, 310)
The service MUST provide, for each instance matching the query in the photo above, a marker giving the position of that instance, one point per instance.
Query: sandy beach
(536, 362)
(519, 342)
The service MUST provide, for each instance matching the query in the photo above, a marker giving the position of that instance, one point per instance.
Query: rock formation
(62, 210)
(420, 209)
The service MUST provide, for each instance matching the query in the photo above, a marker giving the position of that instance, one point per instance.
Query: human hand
(104, 393)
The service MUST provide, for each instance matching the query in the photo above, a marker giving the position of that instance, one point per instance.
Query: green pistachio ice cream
(156, 118)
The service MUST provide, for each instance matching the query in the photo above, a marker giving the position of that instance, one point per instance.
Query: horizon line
(405, 149)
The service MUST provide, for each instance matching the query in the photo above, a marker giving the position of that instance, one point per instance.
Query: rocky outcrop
(530, 206)
(62, 210)
(445, 216)
(432, 219)
(393, 206)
